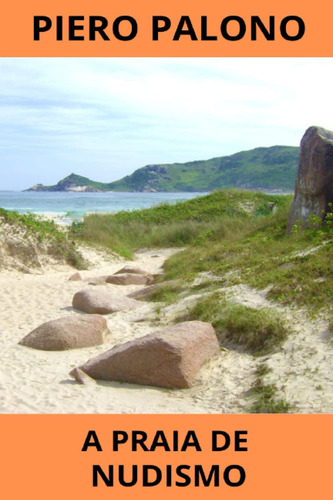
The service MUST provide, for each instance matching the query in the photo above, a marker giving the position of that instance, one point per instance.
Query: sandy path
(302, 370)
(34, 381)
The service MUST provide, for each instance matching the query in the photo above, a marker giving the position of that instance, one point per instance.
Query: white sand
(33, 381)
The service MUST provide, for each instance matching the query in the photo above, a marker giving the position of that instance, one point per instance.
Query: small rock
(130, 279)
(75, 277)
(287, 265)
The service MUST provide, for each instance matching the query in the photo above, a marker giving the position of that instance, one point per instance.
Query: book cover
(102, 90)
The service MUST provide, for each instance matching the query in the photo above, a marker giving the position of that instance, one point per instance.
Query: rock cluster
(169, 358)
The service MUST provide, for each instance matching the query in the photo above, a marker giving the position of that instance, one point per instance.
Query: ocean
(66, 207)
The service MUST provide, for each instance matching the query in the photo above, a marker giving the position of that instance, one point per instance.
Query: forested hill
(272, 168)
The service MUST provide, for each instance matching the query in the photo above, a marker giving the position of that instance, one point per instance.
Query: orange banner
(182, 456)
(173, 28)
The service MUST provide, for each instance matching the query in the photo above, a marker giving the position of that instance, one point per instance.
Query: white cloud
(106, 117)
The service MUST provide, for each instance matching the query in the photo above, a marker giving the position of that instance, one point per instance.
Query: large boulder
(98, 301)
(70, 332)
(314, 181)
(130, 279)
(168, 358)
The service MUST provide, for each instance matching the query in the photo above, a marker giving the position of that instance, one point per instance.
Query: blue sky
(104, 118)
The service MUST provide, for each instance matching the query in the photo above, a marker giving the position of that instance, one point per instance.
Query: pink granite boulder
(168, 358)
(70, 332)
(130, 279)
(99, 301)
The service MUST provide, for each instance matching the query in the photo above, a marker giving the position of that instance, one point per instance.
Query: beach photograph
(166, 235)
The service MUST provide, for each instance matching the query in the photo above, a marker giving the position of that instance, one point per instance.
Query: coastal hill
(271, 168)
(72, 182)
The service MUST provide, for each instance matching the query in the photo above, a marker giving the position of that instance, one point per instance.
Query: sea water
(66, 207)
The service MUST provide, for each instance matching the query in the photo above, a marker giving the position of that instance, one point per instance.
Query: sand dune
(34, 381)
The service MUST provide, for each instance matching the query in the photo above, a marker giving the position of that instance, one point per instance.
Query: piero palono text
(125, 28)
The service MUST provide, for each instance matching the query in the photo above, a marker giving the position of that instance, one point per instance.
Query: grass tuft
(257, 331)
(266, 399)
(167, 294)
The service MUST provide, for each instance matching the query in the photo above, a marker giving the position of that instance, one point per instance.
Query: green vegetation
(167, 294)
(296, 269)
(266, 399)
(260, 168)
(42, 230)
(238, 236)
(257, 331)
(184, 223)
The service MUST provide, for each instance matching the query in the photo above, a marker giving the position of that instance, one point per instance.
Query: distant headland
(265, 168)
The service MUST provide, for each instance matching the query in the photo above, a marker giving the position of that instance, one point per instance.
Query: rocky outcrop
(314, 181)
(130, 279)
(102, 302)
(168, 358)
(70, 332)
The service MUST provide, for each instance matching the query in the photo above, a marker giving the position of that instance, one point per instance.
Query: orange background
(16, 28)
(289, 456)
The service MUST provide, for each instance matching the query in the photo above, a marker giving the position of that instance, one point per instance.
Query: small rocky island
(72, 182)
